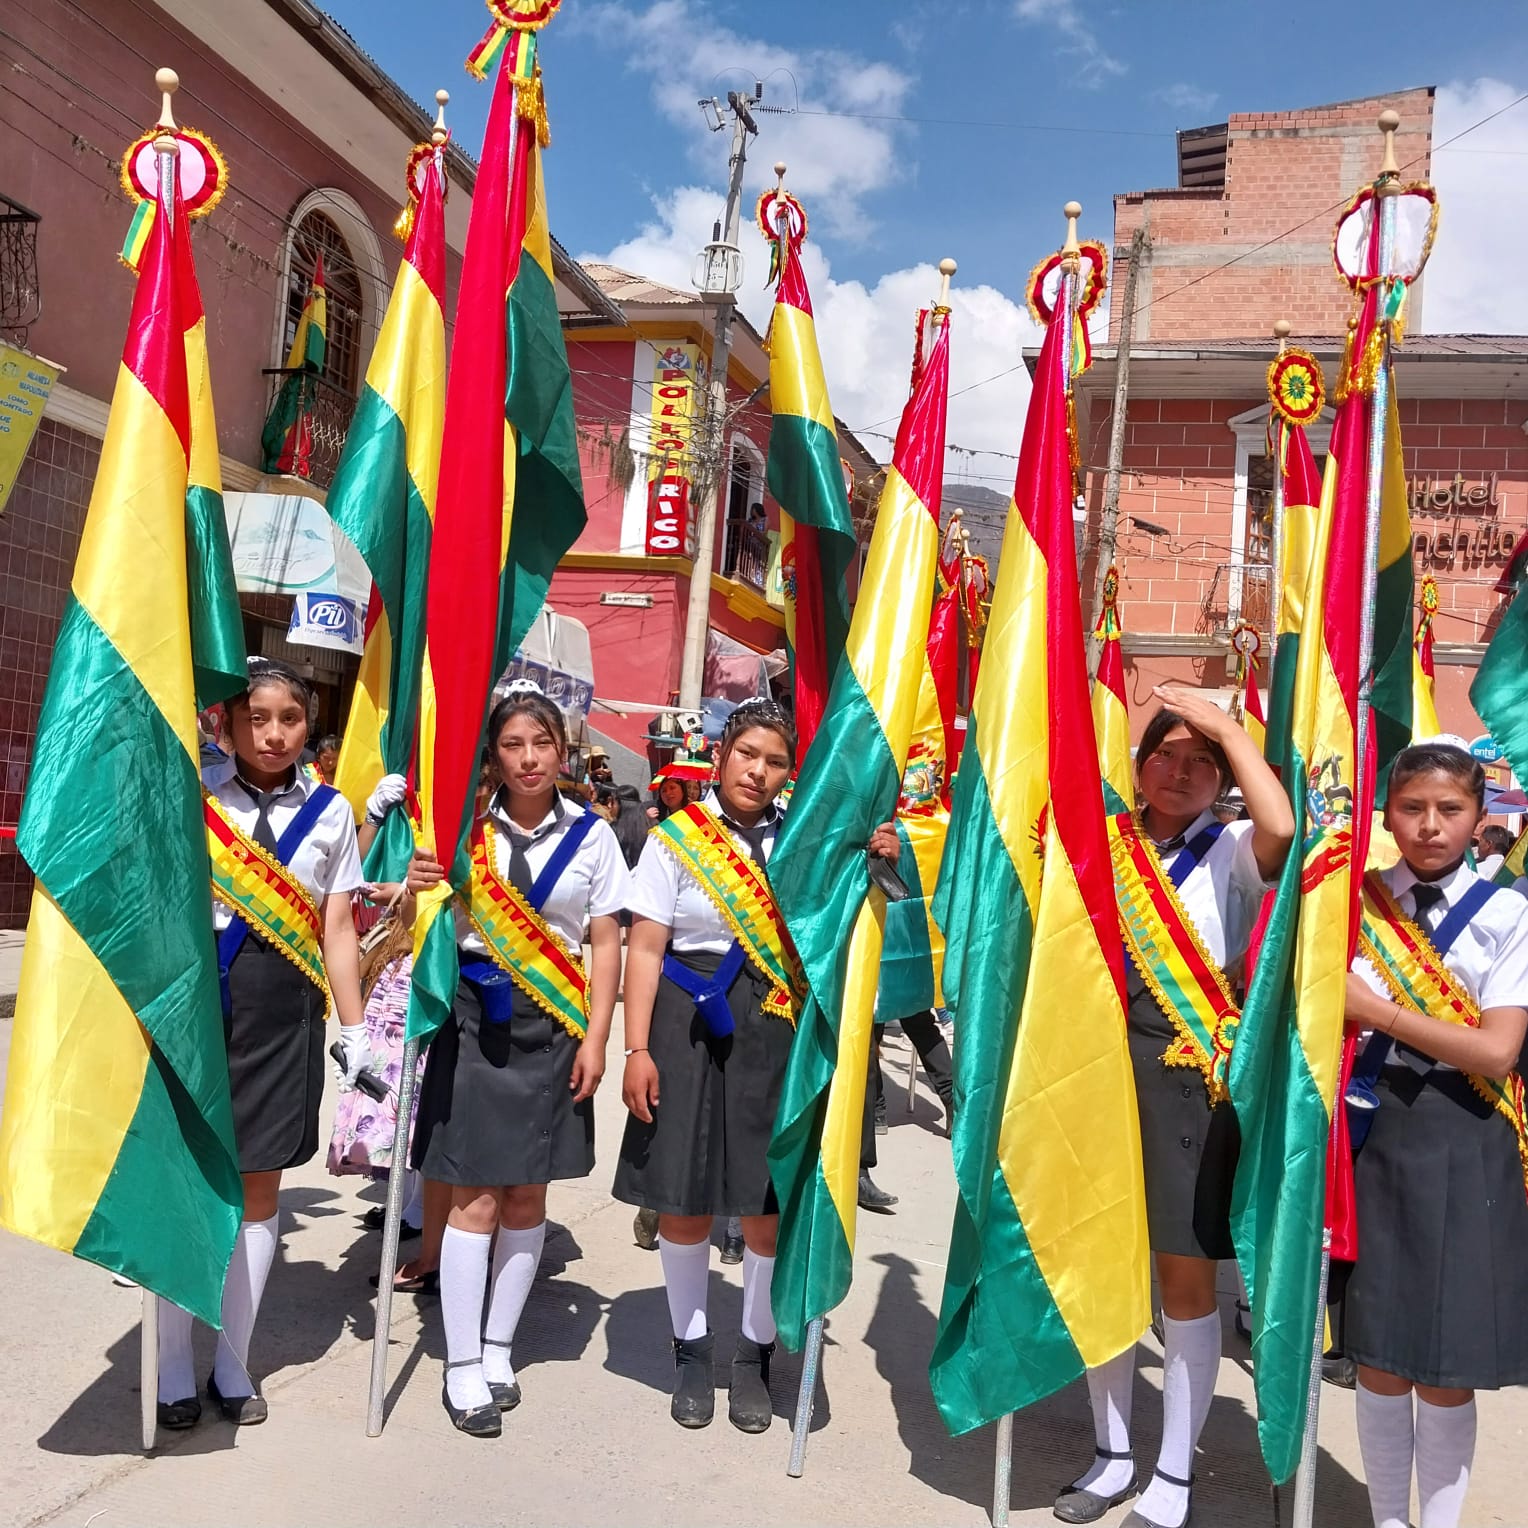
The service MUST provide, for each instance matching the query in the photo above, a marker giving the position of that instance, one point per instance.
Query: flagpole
(1281, 331)
(1386, 185)
(1071, 264)
(168, 152)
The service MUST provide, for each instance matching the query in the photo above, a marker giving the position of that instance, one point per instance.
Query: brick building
(1196, 488)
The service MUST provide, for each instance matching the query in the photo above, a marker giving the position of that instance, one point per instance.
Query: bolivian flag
(806, 477)
(1254, 723)
(287, 440)
(383, 498)
(1047, 1269)
(1285, 1062)
(1302, 496)
(509, 500)
(1111, 711)
(1424, 705)
(117, 1137)
(847, 785)
(1499, 693)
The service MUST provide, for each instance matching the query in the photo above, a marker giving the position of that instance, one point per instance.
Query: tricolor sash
(1418, 978)
(739, 891)
(1169, 954)
(262, 893)
(519, 940)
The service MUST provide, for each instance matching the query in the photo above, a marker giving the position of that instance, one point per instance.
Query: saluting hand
(1201, 714)
(424, 871)
(639, 1086)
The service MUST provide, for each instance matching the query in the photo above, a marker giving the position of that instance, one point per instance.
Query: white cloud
(1185, 97)
(834, 161)
(1094, 65)
(1471, 285)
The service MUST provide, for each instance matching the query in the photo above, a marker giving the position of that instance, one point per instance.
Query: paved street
(592, 1442)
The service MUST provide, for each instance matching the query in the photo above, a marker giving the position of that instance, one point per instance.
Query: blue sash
(231, 940)
(1194, 851)
(1361, 1099)
(491, 984)
(709, 992)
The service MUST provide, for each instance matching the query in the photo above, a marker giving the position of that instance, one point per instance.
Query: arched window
(318, 234)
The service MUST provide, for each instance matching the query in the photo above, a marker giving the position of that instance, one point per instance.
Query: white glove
(391, 789)
(357, 1055)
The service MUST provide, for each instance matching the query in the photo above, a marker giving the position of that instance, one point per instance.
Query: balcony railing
(748, 554)
(1239, 592)
(20, 291)
(328, 409)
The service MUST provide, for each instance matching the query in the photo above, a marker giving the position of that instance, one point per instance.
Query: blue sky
(1026, 104)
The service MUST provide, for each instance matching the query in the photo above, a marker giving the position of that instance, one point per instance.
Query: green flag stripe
(217, 627)
(1393, 666)
(1002, 1342)
(907, 953)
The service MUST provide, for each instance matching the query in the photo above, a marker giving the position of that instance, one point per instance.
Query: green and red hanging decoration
(515, 24)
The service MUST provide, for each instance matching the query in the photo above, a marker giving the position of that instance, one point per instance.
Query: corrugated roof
(627, 286)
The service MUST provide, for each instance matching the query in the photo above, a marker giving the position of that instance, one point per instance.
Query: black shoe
(414, 1284)
(873, 1198)
(732, 1249)
(1136, 1519)
(376, 1217)
(475, 1421)
(506, 1396)
(694, 1402)
(1077, 1505)
(1243, 1321)
(1337, 1369)
(177, 1416)
(748, 1407)
(645, 1229)
(241, 1410)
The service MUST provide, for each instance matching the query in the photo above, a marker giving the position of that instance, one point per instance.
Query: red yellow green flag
(1111, 711)
(287, 440)
(847, 786)
(383, 499)
(509, 500)
(1302, 496)
(806, 477)
(1424, 714)
(1047, 1271)
(116, 1142)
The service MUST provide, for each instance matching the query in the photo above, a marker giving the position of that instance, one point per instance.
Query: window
(318, 234)
(745, 543)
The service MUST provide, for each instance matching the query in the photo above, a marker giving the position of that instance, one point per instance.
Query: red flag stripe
(155, 351)
(919, 451)
(426, 247)
(792, 289)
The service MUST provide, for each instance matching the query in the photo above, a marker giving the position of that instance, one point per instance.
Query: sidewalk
(592, 1442)
(11, 942)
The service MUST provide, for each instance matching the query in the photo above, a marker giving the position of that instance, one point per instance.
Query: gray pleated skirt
(1188, 1149)
(1439, 1294)
(275, 1040)
(704, 1152)
(494, 1103)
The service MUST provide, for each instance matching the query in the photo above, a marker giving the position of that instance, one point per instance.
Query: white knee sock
(463, 1279)
(413, 1198)
(177, 1378)
(758, 1324)
(1385, 1440)
(686, 1273)
(1111, 1387)
(1445, 1451)
(515, 1256)
(1190, 1367)
(254, 1250)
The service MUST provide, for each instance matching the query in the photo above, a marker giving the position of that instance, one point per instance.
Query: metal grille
(20, 291)
(328, 411)
(342, 289)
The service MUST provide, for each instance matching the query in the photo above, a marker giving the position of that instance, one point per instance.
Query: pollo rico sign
(676, 408)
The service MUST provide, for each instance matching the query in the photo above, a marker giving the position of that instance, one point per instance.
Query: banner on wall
(676, 403)
(26, 382)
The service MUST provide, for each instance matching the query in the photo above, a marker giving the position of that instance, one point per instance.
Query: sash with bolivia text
(521, 942)
(1417, 978)
(1168, 952)
(254, 885)
(739, 892)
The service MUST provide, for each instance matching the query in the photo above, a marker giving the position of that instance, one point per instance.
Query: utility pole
(1108, 530)
(720, 278)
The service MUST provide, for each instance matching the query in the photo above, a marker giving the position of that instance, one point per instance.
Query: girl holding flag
(712, 988)
(1189, 888)
(507, 1101)
(284, 863)
(1437, 1304)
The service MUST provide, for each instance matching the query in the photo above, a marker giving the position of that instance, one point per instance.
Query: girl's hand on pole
(424, 871)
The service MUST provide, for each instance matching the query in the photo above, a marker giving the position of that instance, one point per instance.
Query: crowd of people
(670, 899)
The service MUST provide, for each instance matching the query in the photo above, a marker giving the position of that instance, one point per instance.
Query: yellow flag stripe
(85, 1055)
(801, 390)
(408, 371)
(206, 469)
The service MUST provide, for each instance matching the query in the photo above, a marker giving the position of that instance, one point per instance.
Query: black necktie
(1426, 898)
(752, 837)
(520, 876)
(263, 833)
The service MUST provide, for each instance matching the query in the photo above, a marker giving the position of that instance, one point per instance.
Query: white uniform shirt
(663, 890)
(592, 885)
(1222, 893)
(325, 861)
(1490, 956)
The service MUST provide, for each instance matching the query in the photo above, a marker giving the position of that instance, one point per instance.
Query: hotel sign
(671, 465)
(1472, 530)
